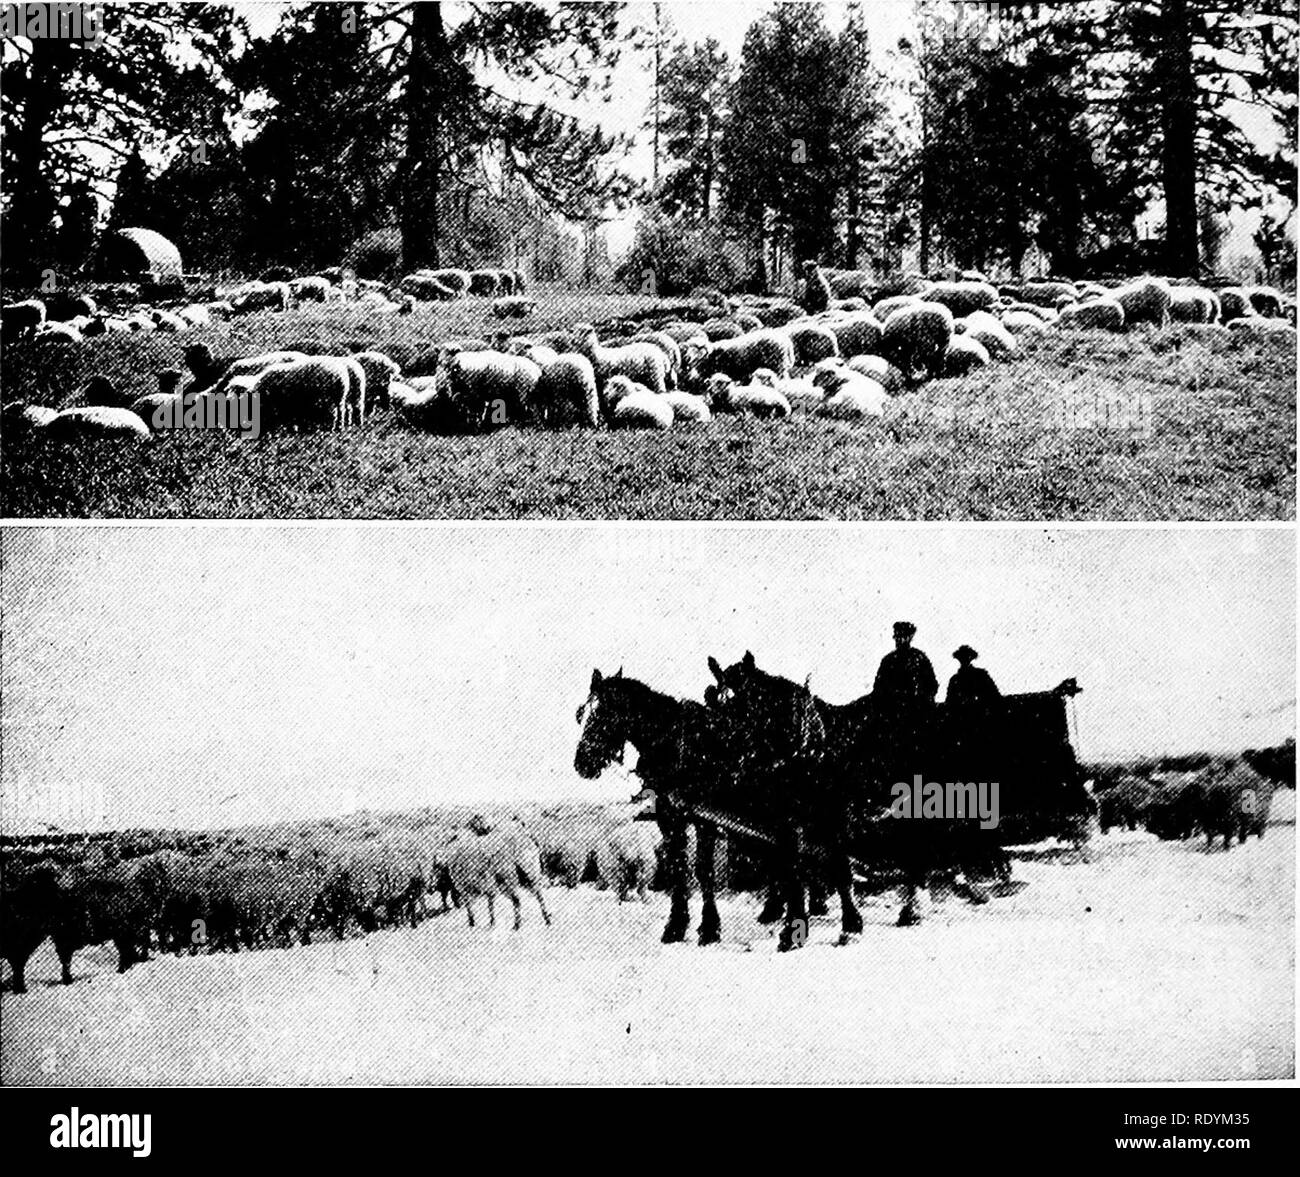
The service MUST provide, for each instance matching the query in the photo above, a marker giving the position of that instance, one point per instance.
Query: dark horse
(689, 759)
(841, 761)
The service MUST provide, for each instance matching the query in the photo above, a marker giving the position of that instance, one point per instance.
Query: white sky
(182, 676)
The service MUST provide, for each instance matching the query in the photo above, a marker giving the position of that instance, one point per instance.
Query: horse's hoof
(709, 936)
(788, 943)
(845, 938)
(908, 918)
(852, 926)
(673, 935)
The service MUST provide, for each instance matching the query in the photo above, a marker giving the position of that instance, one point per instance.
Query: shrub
(679, 256)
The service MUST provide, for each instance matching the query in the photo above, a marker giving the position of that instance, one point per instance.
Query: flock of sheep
(842, 348)
(249, 894)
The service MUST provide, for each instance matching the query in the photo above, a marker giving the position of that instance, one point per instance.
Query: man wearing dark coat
(903, 696)
(972, 686)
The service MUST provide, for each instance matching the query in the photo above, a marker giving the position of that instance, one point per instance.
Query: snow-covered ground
(1146, 961)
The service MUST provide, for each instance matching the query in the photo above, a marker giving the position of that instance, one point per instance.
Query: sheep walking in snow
(644, 363)
(627, 857)
(501, 861)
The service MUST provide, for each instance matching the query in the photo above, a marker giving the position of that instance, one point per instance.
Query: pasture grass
(1181, 423)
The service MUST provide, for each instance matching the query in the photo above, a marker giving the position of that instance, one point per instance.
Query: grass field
(1182, 423)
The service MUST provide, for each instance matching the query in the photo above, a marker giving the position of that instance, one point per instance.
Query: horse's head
(764, 709)
(604, 725)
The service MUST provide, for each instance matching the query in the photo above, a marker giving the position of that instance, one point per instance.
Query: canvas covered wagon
(139, 255)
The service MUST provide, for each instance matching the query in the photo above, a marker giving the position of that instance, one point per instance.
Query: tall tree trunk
(425, 98)
(1178, 133)
(707, 185)
(854, 224)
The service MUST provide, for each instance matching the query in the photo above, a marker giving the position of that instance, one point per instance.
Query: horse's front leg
(706, 840)
(850, 917)
(794, 934)
(675, 860)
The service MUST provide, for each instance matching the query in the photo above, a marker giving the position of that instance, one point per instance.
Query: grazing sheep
(961, 297)
(849, 283)
(484, 282)
(424, 405)
(513, 307)
(816, 296)
(261, 296)
(1105, 313)
(626, 858)
(644, 363)
(140, 322)
(19, 319)
(740, 358)
(1265, 300)
(716, 329)
(312, 392)
(1234, 303)
(965, 354)
(687, 406)
(777, 313)
(310, 289)
(670, 347)
(380, 373)
(501, 860)
(681, 333)
(1261, 325)
(97, 421)
(1045, 294)
(989, 331)
(1144, 301)
(856, 333)
(196, 315)
(491, 387)
(754, 400)
(812, 341)
(915, 338)
(887, 306)
(168, 321)
(426, 287)
(634, 406)
(455, 280)
(1192, 304)
(248, 366)
(566, 388)
(220, 309)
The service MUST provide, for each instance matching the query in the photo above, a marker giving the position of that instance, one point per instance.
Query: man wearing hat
(903, 695)
(972, 687)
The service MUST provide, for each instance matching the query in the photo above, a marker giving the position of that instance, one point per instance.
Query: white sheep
(491, 387)
(169, 321)
(753, 400)
(801, 392)
(97, 421)
(253, 365)
(626, 858)
(196, 315)
(513, 306)
(1023, 322)
(887, 306)
(54, 332)
(261, 296)
(313, 288)
(881, 371)
(1144, 301)
(644, 363)
(965, 354)
(961, 297)
(318, 391)
(855, 397)
(163, 405)
(634, 406)
(988, 330)
(670, 347)
(500, 861)
(1192, 304)
(1105, 313)
(915, 338)
(380, 372)
(740, 358)
(566, 389)
(141, 322)
(812, 341)
(857, 333)
(687, 406)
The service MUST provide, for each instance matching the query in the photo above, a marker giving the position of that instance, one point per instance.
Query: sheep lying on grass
(1023, 322)
(965, 354)
(739, 358)
(887, 306)
(988, 330)
(501, 861)
(850, 395)
(94, 422)
(881, 371)
(754, 400)
(799, 392)
(961, 297)
(915, 338)
(426, 287)
(261, 296)
(630, 405)
(856, 333)
(644, 363)
(311, 289)
(687, 407)
(513, 306)
(491, 388)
